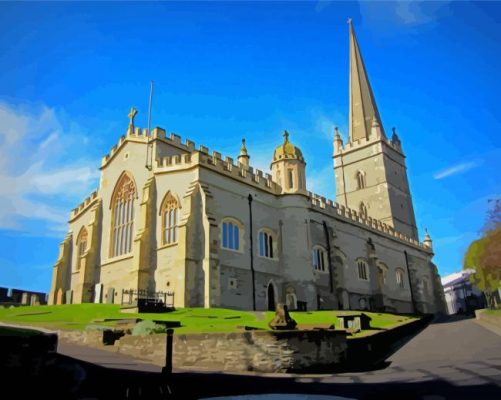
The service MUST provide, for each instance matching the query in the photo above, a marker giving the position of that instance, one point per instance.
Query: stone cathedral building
(218, 233)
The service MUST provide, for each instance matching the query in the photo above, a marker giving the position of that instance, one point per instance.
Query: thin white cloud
(321, 5)
(449, 239)
(325, 124)
(34, 186)
(50, 139)
(321, 181)
(455, 169)
(408, 13)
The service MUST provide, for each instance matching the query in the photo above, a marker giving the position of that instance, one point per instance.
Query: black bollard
(168, 353)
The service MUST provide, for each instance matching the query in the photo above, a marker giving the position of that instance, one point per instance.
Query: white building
(219, 233)
(460, 295)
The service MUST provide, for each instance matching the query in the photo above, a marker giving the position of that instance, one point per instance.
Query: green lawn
(496, 312)
(78, 316)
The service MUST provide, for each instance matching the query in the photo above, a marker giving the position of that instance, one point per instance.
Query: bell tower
(370, 170)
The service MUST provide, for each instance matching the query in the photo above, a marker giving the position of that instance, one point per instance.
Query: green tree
(484, 255)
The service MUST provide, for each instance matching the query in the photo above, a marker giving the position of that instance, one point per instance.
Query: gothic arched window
(122, 219)
(363, 270)
(81, 246)
(319, 258)
(231, 232)
(360, 176)
(290, 178)
(362, 210)
(267, 244)
(382, 270)
(169, 212)
(400, 278)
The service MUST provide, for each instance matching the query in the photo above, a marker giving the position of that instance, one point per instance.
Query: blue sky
(70, 73)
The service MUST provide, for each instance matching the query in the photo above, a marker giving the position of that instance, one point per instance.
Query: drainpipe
(410, 284)
(328, 242)
(252, 255)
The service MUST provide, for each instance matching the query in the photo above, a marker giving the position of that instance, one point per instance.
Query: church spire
(363, 110)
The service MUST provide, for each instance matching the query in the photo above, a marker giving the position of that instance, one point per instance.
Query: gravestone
(34, 300)
(282, 320)
(59, 296)
(98, 290)
(355, 322)
(110, 298)
(25, 299)
(69, 297)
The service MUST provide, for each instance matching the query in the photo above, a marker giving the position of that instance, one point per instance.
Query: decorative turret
(427, 240)
(243, 157)
(338, 141)
(288, 167)
(287, 150)
(395, 140)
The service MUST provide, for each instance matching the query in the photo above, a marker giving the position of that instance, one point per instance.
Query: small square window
(232, 283)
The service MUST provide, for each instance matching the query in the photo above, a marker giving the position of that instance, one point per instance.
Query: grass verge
(193, 320)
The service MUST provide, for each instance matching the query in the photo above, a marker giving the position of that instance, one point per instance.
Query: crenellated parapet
(225, 166)
(133, 135)
(340, 211)
(364, 141)
(84, 205)
(239, 171)
(140, 135)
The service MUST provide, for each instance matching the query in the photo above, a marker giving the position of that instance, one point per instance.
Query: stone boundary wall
(284, 351)
(489, 321)
(374, 349)
(260, 351)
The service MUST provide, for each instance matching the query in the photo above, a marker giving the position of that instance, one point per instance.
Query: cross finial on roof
(286, 136)
(132, 114)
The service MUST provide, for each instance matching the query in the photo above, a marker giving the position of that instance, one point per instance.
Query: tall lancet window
(290, 178)
(81, 246)
(122, 220)
(360, 180)
(170, 219)
(363, 210)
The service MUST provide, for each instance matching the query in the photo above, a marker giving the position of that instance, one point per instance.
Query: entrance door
(271, 297)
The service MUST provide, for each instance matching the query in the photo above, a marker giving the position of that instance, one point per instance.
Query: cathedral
(215, 232)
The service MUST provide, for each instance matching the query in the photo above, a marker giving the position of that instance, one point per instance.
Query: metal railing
(137, 296)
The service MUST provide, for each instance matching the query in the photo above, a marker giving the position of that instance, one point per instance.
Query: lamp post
(249, 198)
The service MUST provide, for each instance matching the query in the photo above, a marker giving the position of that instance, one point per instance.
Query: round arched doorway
(271, 297)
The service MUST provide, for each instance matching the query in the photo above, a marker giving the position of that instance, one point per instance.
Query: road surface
(456, 360)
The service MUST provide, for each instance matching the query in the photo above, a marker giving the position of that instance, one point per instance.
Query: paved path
(451, 360)
(460, 352)
(105, 358)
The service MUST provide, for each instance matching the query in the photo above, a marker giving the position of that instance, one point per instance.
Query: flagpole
(149, 106)
(149, 150)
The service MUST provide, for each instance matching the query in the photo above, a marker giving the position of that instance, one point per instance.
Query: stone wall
(489, 321)
(245, 351)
